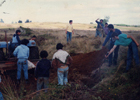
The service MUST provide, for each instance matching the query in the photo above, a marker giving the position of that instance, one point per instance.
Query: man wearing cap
(99, 28)
(112, 41)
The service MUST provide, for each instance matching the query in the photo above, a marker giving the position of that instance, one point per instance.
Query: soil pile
(86, 63)
(83, 65)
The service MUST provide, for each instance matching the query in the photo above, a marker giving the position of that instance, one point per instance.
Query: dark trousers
(132, 53)
(114, 54)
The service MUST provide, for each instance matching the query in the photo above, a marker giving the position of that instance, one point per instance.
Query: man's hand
(137, 44)
(106, 56)
(35, 79)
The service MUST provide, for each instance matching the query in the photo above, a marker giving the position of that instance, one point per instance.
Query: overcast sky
(80, 11)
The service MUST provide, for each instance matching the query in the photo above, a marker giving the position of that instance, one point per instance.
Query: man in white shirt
(69, 31)
(61, 60)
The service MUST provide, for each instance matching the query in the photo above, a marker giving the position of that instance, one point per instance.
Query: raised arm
(128, 36)
(111, 51)
(96, 20)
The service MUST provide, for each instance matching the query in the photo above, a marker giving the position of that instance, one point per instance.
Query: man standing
(106, 30)
(126, 40)
(99, 28)
(22, 53)
(61, 60)
(111, 30)
(69, 31)
(15, 41)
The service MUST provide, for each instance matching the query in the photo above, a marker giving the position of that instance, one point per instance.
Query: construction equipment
(9, 63)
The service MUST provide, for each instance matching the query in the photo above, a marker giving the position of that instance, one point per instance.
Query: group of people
(101, 30)
(118, 38)
(62, 60)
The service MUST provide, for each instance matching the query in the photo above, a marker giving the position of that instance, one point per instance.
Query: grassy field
(114, 84)
(56, 25)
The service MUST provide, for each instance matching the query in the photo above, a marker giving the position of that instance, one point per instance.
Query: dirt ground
(80, 71)
(84, 67)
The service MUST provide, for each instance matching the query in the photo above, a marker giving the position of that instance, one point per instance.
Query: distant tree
(20, 21)
(106, 19)
(1, 21)
(30, 21)
(27, 21)
(91, 22)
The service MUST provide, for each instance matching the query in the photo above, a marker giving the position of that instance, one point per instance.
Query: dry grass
(57, 25)
(82, 42)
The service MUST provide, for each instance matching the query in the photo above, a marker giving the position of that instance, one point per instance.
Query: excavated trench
(81, 70)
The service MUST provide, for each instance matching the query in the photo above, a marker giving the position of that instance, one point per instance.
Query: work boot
(27, 81)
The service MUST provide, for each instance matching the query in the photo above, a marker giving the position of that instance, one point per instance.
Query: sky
(80, 11)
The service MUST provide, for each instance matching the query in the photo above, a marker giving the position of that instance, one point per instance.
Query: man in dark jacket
(42, 71)
(108, 37)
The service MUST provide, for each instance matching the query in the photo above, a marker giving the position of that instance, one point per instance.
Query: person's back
(61, 60)
(22, 53)
(123, 40)
(61, 55)
(42, 71)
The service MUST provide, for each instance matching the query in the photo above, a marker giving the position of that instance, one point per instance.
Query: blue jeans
(22, 64)
(69, 36)
(115, 54)
(62, 76)
(132, 52)
(42, 82)
(98, 33)
(1, 96)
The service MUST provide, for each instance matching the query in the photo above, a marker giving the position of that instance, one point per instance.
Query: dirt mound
(83, 65)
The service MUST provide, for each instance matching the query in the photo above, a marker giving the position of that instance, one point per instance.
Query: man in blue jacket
(126, 40)
(15, 41)
(108, 37)
(22, 53)
(99, 28)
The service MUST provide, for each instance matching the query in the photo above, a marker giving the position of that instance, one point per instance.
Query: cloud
(80, 10)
